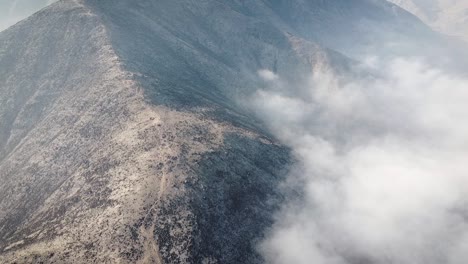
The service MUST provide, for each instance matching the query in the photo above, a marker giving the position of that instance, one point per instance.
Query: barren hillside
(122, 139)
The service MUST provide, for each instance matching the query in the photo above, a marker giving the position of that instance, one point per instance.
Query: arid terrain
(123, 137)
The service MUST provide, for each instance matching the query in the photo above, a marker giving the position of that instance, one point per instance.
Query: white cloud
(384, 162)
(267, 75)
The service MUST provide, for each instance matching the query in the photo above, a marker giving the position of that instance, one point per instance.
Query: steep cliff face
(121, 136)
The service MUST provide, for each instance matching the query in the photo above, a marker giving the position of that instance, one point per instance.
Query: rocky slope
(121, 136)
(102, 164)
(93, 172)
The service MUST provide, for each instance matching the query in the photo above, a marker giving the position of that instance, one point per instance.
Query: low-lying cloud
(384, 165)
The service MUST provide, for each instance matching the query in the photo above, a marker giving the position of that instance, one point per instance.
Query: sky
(12, 11)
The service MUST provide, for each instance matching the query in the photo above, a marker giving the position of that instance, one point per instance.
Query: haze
(447, 16)
(12, 11)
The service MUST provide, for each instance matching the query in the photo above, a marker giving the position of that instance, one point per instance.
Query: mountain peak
(122, 138)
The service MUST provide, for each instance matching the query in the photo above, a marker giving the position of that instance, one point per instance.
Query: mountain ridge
(86, 177)
(122, 138)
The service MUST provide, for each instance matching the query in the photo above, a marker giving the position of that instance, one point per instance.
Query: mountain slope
(121, 136)
(91, 171)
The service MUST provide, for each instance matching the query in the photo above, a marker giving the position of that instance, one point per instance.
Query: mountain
(447, 16)
(122, 139)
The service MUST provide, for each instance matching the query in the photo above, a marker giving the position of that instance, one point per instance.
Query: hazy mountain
(122, 139)
(447, 16)
(12, 11)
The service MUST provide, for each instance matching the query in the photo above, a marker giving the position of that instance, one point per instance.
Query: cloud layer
(383, 162)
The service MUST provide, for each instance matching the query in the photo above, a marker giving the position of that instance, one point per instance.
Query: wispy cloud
(12, 8)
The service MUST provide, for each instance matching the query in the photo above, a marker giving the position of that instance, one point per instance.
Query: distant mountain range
(447, 16)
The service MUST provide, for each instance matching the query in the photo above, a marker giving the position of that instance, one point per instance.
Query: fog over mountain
(263, 131)
(382, 162)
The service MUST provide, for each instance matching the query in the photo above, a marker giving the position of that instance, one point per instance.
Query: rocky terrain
(122, 139)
